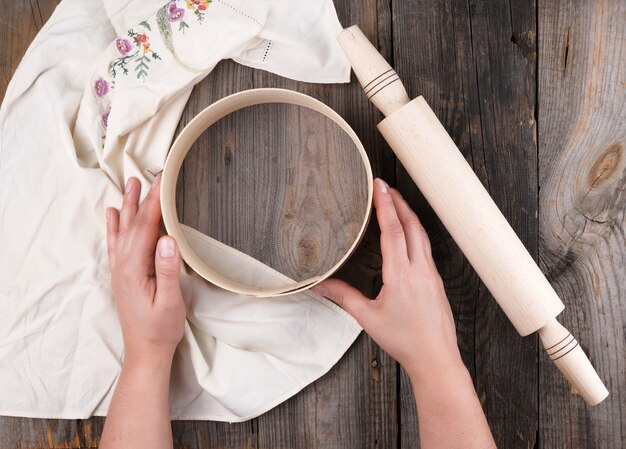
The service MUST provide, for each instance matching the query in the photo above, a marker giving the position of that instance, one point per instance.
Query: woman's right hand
(412, 321)
(410, 318)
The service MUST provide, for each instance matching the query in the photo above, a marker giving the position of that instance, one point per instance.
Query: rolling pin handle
(379, 80)
(569, 357)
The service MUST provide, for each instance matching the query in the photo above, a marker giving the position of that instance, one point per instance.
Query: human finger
(145, 227)
(392, 238)
(418, 244)
(167, 268)
(112, 225)
(344, 295)
(129, 204)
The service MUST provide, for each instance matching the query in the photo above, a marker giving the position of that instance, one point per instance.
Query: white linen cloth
(73, 128)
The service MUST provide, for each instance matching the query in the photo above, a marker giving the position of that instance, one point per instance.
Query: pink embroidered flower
(141, 38)
(176, 13)
(104, 118)
(123, 46)
(101, 87)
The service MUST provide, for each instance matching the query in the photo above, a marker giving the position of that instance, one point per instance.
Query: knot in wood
(607, 167)
(602, 198)
(309, 253)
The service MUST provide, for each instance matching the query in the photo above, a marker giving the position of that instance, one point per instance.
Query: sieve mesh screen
(279, 182)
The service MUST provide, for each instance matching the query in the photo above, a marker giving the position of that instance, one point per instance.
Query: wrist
(441, 370)
(450, 380)
(159, 361)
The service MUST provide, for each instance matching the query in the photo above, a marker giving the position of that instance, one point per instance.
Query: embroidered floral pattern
(198, 7)
(135, 48)
(104, 118)
(143, 39)
(123, 46)
(176, 14)
(101, 87)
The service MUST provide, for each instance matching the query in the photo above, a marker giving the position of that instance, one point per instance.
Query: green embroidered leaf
(120, 63)
(146, 25)
(142, 66)
(165, 28)
(183, 25)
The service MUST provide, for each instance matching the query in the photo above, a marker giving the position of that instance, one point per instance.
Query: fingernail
(129, 185)
(382, 185)
(166, 247)
(156, 181)
(107, 214)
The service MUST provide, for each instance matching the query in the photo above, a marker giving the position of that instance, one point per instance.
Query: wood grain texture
(26, 433)
(476, 64)
(19, 24)
(354, 405)
(227, 78)
(271, 182)
(582, 172)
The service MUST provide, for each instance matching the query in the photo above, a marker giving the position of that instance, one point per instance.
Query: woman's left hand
(145, 278)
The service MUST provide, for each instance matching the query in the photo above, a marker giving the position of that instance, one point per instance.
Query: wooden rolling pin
(467, 211)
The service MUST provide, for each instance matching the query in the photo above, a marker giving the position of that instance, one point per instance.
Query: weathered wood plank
(26, 433)
(227, 78)
(475, 64)
(506, 368)
(354, 405)
(19, 24)
(582, 172)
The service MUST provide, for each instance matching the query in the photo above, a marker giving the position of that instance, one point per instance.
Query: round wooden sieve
(186, 140)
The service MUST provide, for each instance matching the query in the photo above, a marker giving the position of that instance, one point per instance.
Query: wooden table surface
(533, 93)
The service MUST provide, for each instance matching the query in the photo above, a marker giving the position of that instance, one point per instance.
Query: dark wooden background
(533, 92)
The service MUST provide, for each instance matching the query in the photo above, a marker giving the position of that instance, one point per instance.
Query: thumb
(167, 266)
(346, 296)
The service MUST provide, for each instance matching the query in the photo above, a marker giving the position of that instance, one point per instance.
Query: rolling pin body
(471, 217)
(466, 209)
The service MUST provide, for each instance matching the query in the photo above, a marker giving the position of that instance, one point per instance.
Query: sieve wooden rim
(194, 130)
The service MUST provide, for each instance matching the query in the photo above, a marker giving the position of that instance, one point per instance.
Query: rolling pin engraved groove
(470, 215)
